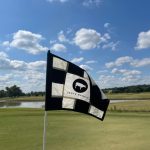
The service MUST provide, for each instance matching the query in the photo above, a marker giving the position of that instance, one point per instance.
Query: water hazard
(5, 104)
(33, 104)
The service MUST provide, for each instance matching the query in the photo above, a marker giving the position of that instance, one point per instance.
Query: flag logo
(80, 85)
(77, 87)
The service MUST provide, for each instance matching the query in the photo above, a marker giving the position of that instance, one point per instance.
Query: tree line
(15, 91)
(128, 89)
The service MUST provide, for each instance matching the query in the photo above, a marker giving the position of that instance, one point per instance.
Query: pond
(33, 104)
(5, 104)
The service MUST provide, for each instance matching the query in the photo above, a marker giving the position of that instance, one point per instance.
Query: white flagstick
(44, 131)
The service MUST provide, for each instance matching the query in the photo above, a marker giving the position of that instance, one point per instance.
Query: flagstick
(44, 131)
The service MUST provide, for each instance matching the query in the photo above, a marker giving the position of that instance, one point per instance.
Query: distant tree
(14, 91)
(35, 93)
(129, 89)
(2, 93)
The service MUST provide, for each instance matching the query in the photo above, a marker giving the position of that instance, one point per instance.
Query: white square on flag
(77, 87)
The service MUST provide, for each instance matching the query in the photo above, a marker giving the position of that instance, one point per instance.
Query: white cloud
(131, 79)
(127, 59)
(108, 81)
(69, 30)
(86, 3)
(102, 71)
(89, 3)
(6, 43)
(3, 55)
(124, 77)
(58, 48)
(33, 76)
(30, 80)
(110, 64)
(5, 78)
(37, 65)
(141, 63)
(107, 25)
(91, 62)
(7, 63)
(87, 39)
(123, 60)
(52, 41)
(62, 37)
(18, 64)
(143, 40)
(111, 45)
(119, 61)
(28, 75)
(126, 72)
(28, 41)
(77, 60)
(105, 38)
(86, 67)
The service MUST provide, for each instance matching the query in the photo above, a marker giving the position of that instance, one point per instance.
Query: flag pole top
(48, 51)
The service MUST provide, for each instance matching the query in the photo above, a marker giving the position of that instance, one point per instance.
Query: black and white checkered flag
(69, 87)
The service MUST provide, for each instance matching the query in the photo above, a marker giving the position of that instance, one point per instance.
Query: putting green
(22, 129)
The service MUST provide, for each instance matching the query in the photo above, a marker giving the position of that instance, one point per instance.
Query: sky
(110, 39)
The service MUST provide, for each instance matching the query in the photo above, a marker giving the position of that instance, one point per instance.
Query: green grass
(139, 106)
(25, 98)
(144, 95)
(22, 129)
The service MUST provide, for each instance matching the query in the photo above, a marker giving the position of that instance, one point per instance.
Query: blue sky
(110, 39)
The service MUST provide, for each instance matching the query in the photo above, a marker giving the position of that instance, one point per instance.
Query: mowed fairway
(22, 129)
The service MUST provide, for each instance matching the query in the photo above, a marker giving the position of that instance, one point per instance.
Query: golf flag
(69, 87)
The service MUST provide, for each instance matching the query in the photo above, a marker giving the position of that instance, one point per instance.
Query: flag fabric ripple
(69, 87)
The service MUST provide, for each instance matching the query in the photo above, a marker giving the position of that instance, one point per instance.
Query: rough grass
(22, 129)
(144, 95)
(24, 98)
(138, 106)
